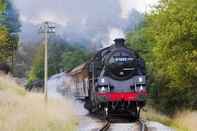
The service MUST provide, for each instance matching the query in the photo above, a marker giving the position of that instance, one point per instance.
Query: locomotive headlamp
(140, 87)
(102, 80)
(140, 79)
(103, 89)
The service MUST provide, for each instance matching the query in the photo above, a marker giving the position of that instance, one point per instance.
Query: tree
(2, 5)
(57, 47)
(4, 46)
(171, 33)
(11, 18)
(4, 36)
(10, 26)
(74, 58)
(37, 70)
(24, 59)
(61, 57)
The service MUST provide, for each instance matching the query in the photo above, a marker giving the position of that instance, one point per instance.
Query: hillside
(23, 111)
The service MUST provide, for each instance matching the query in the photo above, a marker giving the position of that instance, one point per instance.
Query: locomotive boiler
(113, 81)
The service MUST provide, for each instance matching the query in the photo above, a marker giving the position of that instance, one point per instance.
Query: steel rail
(106, 126)
(142, 125)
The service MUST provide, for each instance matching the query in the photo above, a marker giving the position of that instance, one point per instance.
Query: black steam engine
(114, 81)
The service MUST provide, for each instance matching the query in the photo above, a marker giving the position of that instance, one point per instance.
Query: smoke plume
(80, 21)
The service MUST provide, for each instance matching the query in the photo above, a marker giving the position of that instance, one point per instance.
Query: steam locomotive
(113, 81)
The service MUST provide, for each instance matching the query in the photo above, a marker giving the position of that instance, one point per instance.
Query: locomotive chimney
(119, 42)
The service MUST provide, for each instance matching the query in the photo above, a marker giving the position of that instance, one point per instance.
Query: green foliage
(3, 35)
(2, 5)
(11, 18)
(4, 44)
(55, 57)
(9, 27)
(169, 38)
(37, 70)
(61, 57)
(73, 58)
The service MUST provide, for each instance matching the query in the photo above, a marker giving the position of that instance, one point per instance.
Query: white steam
(115, 33)
(82, 21)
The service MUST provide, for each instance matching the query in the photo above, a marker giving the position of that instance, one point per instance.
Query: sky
(97, 21)
(140, 5)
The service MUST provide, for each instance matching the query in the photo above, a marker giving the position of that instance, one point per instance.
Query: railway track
(141, 126)
(106, 126)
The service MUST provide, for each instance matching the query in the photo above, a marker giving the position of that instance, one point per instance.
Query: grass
(7, 84)
(23, 111)
(186, 119)
(182, 121)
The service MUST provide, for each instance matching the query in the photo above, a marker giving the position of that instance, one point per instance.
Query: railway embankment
(181, 121)
(24, 111)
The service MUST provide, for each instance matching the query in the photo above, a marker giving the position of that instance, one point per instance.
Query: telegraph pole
(45, 62)
(46, 28)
